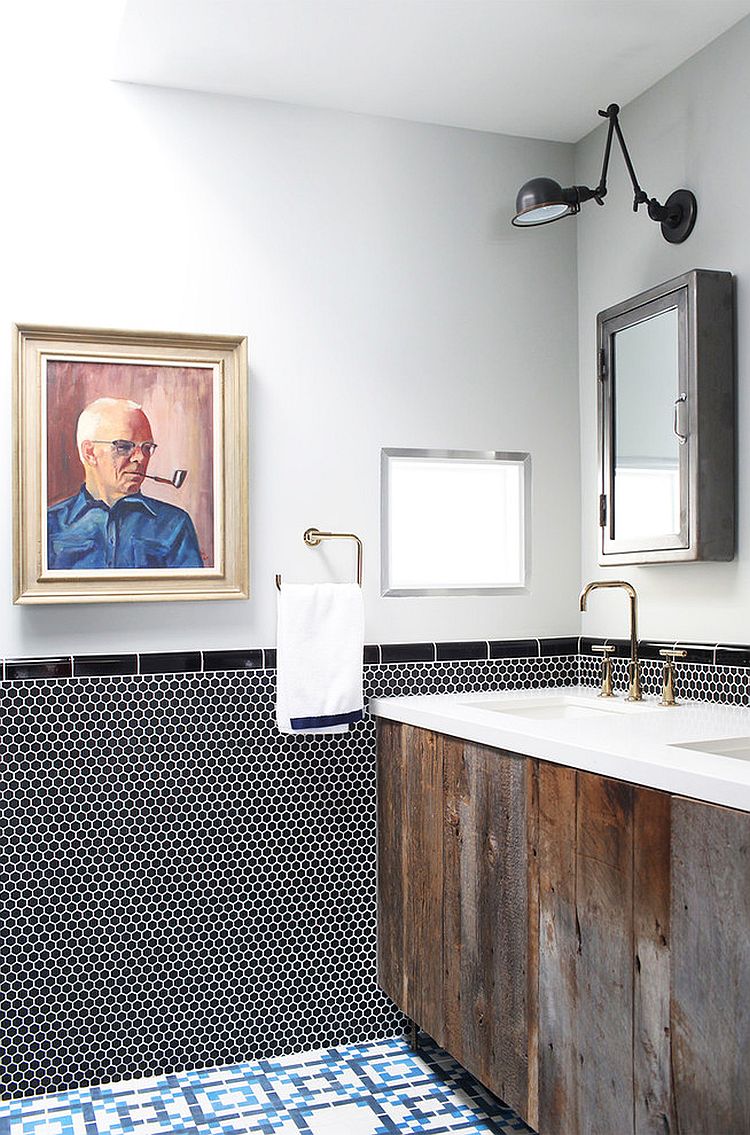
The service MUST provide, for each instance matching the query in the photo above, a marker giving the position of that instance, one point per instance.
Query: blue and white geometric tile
(379, 1088)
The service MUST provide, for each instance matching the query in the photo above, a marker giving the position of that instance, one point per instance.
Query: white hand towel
(319, 643)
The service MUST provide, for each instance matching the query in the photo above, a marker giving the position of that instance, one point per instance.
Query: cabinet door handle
(682, 438)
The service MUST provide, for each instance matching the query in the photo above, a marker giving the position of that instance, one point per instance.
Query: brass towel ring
(313, 536)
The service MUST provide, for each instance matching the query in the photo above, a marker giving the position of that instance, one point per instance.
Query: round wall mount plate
(685, 201)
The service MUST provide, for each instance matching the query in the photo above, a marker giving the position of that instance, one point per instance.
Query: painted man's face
(117, 473)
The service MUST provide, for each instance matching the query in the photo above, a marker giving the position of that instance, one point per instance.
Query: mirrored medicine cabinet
(666, 420)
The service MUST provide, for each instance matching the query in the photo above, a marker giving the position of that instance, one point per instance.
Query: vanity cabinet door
(603, 851)
(453, 900)
(710, 967)
(486, 916)
(410, 873)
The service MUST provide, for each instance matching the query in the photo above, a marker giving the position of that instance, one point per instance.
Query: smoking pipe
(177, 479)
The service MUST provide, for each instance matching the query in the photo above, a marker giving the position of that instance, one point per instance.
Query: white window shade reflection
(454, 521)
(648, 498)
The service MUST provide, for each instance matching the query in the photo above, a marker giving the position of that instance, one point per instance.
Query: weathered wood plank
(710, 968)
(505, 916)
(455, 956)
(423, 875)
(410, 858)
(558, 946)
(532, 975)
(486, 916)
(391, 790)
(654, 1103)
(604, 961)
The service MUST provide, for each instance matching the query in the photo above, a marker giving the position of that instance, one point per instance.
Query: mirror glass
(646, 452)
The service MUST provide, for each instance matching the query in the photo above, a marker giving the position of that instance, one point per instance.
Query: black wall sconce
(541, 200)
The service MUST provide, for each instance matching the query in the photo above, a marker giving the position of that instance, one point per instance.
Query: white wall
(386, 299)
(689, 130)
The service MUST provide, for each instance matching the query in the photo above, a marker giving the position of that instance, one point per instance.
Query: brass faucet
(634, 675)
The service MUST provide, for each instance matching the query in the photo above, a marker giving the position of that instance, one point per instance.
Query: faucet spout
(634, 676)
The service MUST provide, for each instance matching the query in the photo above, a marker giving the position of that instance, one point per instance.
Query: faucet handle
(605, 649)
(667, 686)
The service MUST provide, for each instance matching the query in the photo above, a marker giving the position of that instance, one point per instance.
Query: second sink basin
(564, 708)
(737, 747)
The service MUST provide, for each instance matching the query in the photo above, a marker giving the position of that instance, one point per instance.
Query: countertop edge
(718, 784)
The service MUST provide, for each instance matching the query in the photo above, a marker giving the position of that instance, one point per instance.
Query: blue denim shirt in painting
(136, 532)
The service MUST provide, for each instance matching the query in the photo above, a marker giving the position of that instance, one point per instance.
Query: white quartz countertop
(638, 742)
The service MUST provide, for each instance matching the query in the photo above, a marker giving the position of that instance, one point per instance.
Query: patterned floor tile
(380, 1088)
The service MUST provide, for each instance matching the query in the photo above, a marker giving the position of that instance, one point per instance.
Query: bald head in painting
(109, 523)
(110, 474)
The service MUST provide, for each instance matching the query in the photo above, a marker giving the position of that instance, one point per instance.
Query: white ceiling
(538, 68)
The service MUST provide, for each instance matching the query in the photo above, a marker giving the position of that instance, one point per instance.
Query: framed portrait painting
(130, 466)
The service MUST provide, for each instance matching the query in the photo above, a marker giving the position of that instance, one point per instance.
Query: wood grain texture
(410, 873)
(652, 1056)
(604, 886)
(532, 965)
(486, 916)
(580, 944)
(710, 968)
(558, 1111)
(456, 953)
(424, 879)
(391, 792)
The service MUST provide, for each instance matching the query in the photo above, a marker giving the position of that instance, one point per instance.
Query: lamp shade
(540, 201)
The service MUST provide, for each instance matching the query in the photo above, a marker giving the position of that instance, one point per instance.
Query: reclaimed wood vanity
(579, 942)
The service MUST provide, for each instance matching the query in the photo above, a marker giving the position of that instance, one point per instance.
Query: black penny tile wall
(181, 886)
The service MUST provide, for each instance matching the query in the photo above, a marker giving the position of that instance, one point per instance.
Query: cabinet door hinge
(602, 366)
(602, 510)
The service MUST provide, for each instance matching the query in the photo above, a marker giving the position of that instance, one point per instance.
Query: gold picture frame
(104, 520)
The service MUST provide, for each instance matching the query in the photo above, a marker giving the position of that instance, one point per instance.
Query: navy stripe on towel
(330, 719)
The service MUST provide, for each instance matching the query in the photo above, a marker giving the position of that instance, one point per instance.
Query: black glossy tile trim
(408, 652)
(104, 665)
(649, 648)
(89, 666)
(696, 653)
(232, 660)
(733, 656)
(23, 669)
(621, 645)
(514, 648)
(458, 651)
(558, 646)
(181, 662)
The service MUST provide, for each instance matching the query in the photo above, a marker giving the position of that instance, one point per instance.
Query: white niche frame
(441, 532)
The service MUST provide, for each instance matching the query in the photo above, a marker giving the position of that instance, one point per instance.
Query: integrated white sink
(736, 747)
(639, 742)
(564, 708)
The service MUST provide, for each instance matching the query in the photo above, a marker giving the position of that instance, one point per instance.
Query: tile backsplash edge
(257, 658)
(376, 654)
